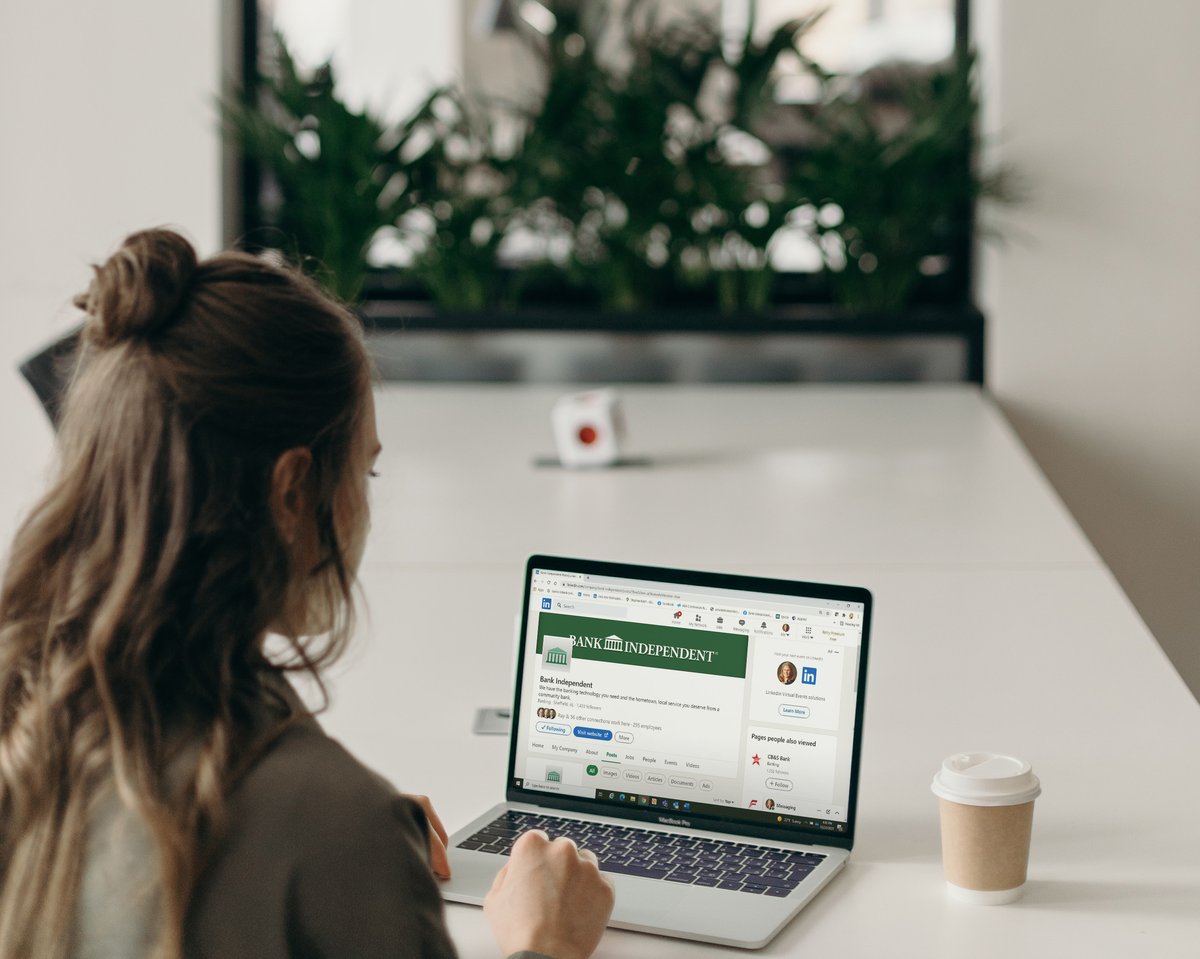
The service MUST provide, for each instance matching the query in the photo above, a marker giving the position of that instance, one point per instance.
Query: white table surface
(996, 627)
(765, 477)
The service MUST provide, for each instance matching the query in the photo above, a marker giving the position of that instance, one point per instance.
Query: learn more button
(589, 732)
(794, 712)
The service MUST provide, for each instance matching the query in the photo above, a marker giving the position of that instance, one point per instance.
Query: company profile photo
(786, 673)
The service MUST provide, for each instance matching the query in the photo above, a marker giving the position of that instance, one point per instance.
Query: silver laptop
(699, 732)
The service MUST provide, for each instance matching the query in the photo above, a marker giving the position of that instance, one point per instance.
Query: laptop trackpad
(708, 915)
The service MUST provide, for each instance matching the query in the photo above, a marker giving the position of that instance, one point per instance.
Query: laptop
(700, 732)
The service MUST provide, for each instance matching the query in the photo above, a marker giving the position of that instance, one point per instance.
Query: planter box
(414, 341)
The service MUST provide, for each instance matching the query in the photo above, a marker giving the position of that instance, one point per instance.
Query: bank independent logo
(556, 653)
(615, 644)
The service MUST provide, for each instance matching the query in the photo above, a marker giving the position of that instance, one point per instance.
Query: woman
(162, 790)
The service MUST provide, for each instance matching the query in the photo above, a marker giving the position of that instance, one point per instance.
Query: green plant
(334, 170)
(458, 189)
(637, 168)
(629, 153)
(890, 172)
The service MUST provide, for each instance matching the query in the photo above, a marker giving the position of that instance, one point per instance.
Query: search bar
(581, 608)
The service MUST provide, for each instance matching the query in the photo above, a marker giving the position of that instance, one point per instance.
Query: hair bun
(139, 290)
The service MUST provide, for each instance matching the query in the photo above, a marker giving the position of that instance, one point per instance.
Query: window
(592, 251)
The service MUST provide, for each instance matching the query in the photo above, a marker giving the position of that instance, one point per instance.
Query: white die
(588, 428)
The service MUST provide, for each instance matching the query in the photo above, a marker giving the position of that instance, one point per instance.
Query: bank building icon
(613, 644)
(556, 652)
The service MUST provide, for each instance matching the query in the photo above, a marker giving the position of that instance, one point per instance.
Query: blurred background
(499, 150)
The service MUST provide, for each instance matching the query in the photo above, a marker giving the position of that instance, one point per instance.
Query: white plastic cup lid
(986, 779)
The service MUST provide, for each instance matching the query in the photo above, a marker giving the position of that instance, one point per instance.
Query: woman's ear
(289, 498)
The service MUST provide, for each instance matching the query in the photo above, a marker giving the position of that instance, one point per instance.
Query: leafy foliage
(892, 170)
(633, 158)
(638, 171)
(332, 168)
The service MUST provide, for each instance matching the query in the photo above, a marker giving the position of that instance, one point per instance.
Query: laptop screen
(716, 701)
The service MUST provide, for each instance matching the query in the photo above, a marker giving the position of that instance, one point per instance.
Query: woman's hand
(438, 838)
(550, 897)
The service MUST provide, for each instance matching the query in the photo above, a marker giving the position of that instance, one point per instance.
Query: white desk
(996, 627)
(740, 478)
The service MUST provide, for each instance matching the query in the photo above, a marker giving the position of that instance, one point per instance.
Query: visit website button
(589, 732)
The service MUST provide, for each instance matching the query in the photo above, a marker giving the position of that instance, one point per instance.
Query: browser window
(692, 700)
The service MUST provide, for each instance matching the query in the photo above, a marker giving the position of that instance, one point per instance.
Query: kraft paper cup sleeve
(985, 850)
(986, 814)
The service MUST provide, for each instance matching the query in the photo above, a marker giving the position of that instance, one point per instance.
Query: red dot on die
(587, 435)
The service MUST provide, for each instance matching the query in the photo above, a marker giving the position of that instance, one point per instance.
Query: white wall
(106, 126)
(1094, 299)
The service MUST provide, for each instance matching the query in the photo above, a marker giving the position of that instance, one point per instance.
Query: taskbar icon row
(753, 814)
(641, 799)
(662, 804)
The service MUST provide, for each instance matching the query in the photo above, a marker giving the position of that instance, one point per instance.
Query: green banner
(640, 644)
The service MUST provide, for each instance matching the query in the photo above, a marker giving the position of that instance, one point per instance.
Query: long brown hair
(139, 590)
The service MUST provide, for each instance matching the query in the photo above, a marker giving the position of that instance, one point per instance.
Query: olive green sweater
(321, 859)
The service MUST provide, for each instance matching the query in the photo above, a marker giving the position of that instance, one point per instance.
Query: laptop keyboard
(736, 866)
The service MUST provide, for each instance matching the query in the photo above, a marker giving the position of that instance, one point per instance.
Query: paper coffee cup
(986, 804)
